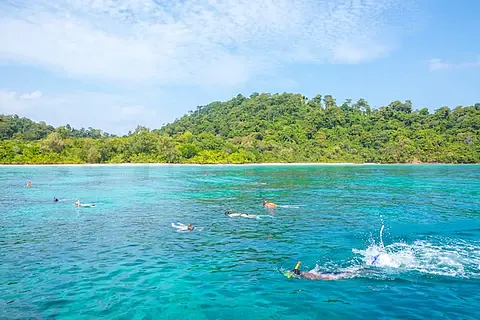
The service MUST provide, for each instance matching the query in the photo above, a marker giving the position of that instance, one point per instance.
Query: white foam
(438, 256)
(456, 259)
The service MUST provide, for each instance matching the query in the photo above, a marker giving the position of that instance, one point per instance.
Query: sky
(114, 65)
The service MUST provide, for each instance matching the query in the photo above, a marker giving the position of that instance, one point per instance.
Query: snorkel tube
(298, 265)
(295, 270)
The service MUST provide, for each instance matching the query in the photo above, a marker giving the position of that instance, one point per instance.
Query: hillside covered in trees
(16, 128)
(263, 128)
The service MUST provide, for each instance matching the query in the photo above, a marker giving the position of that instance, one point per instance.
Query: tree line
(263, 128)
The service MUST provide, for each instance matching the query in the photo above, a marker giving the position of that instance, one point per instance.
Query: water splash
(444, 257)
(439, 256)
(381, 235)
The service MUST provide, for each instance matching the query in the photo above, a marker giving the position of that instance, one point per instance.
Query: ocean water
(123, 259)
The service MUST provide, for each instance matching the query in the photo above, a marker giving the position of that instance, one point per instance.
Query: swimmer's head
(228, 212)
(296, 271)
(264, 202)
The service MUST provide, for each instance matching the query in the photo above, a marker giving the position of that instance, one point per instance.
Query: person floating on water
(267, 204)
(55, 199)
(181, 227)
(318, 276)
(29, 184)
(231, 214)
(78, 204)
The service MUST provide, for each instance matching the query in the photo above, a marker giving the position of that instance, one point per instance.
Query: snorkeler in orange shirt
(267, 204)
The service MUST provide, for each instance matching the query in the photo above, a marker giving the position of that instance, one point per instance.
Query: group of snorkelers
(55, 199)
(294, 272)
(312, 275)
(229, 213)
(77, 203)
(266, 204)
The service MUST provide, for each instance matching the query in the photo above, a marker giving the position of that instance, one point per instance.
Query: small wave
(260, 217)
(288, 206)
(196, 229)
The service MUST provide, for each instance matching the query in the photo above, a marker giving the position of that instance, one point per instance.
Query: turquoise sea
(123, 259)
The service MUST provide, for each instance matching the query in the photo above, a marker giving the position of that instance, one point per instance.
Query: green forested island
(262, 128)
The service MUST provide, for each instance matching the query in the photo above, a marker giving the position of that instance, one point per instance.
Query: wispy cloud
(439, 64)
(112, 113)
(30, 96)
(208, 42)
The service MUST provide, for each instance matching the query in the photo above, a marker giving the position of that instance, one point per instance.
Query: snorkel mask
(294, 272)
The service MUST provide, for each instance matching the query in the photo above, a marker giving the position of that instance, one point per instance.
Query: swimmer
(267, 204)
(231, 214)
(320, 276)
(323, 276)
(183, 228)
(78, 204)
(55, 199)
(29, 184)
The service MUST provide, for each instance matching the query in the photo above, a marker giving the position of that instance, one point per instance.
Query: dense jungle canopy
(262, 128)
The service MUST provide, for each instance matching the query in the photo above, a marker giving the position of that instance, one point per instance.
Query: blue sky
(115, 64)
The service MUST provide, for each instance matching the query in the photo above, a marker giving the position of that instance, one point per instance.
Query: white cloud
(208, 42)
(31, 96)
(439, 64)
(112, 113)
(12, 102)
(129, 111)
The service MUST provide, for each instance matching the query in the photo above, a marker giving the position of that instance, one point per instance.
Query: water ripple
(122, 259)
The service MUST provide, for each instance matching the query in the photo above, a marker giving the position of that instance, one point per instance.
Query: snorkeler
(319, 276)
(184, 228)
(89, 205)
(231, 214)
(55, 199)
(267, 204)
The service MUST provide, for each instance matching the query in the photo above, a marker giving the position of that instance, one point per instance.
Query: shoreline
(266, 164)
